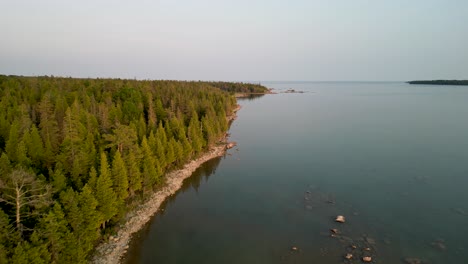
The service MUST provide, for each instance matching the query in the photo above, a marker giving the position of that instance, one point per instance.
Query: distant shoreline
(112, 251)
(244, 95)
(440, 82)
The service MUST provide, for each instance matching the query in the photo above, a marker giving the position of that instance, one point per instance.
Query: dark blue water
(391, 157)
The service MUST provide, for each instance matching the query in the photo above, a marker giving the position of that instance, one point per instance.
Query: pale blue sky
(236, 39)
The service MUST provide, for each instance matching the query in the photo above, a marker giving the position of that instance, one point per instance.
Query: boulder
(340, 219)
(367, 259)
(230, 145)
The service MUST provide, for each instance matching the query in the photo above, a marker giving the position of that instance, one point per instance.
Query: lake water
(391, 157)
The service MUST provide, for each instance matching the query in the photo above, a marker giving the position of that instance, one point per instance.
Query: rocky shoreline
(114, 249)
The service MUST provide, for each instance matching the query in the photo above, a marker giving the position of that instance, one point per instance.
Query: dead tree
(21, 189)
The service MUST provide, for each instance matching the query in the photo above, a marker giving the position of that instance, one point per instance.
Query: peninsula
(78, 158)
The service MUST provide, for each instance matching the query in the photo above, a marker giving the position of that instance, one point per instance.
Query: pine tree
(5, 166)
(161, 153)
(105, 195)
(21, 155)
(81, 213)
(119, 174)
(57, 178)
(134, 174)
(123, 137)
(73, 154)
(91, 219)
(170, 153)
(92, 181)
(54, 230)
(151, 114)
(6, 231)
(208, 130)
(195, 134)
(48, 125)
(151, 168)
(35, 147)
(178, 151)
(11, 147)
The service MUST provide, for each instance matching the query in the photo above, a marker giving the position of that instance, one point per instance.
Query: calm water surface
(391, 157)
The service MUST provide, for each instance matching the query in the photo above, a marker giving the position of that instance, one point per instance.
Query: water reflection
(250, 97)
(201, 175)
(394, 166)
(204, 172)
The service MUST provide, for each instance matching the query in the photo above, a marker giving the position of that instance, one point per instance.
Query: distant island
(441, 82)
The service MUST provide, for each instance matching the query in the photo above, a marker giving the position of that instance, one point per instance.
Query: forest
(77, 154)
(441, 82)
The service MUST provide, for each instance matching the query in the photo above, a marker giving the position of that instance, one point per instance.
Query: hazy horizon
(236, 40)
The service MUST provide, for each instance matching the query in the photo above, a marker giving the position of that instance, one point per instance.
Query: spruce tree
(105, 195)
(119, 177)
(54, 230)
(35, 147)
(11, 146)
(151, 168)
(134, 174)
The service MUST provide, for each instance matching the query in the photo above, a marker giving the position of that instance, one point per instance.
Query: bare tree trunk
(18, 209)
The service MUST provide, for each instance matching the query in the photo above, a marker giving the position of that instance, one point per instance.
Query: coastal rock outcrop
(340, 219)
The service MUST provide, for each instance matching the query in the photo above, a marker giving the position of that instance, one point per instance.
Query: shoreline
(244, 95)
(112, 251)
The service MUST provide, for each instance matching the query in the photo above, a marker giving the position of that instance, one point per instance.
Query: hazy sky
(236, 39)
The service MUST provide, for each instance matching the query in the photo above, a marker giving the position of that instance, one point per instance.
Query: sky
(236, 40)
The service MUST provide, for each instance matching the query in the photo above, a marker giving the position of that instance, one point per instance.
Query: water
(391, 157)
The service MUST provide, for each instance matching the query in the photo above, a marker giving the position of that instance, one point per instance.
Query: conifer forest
(77, 154)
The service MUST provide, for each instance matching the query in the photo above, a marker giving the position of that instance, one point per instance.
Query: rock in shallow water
(371, 241)
(340, 219)
(439, 244)
(367, 259)
(413, 261)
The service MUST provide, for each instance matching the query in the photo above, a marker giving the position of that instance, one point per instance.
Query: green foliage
(55, 133)
(105, 195)
(133, 173)
(119, 176)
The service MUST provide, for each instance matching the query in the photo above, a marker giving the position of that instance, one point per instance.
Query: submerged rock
(413, 261)
(340, 219)
(371, 241)
(367, 259)
(460, 211)
(349, 256)
(439, 244)
(294, 249)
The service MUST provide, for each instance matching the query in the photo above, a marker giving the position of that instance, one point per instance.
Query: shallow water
(391, 157)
